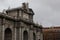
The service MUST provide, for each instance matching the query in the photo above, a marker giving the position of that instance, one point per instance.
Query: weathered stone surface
(18, 20)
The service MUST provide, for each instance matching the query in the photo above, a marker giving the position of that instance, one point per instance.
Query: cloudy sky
(47, 12)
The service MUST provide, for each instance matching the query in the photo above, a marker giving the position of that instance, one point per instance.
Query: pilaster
(31, 35)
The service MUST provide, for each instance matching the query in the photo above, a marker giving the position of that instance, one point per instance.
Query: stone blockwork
(17, 24)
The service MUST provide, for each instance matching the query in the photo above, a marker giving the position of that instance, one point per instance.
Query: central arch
(8, 34)
(25, 35)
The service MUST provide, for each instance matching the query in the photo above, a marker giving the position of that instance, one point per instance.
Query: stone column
(20, 34)
(31, 32)
(31, 35)
(17, 26)
(3, 33)
(41, 36)
(14, 34)
(17, 33)
(0, 32)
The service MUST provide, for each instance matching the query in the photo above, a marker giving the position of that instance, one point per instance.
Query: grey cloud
(47, 12)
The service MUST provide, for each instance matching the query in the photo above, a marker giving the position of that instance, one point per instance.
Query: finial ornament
(9, 7)
(4, 11)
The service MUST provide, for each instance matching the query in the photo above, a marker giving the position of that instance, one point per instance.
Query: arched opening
(25, 35)
(8, 34)
(39, 39)
(34, 36)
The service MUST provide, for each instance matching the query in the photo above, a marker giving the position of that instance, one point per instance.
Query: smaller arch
(34, 36)
(25, 35)
(39, 39)
(7, 34)
(8, 30)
